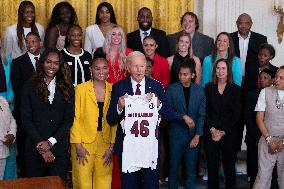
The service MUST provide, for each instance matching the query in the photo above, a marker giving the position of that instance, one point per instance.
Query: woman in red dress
(116, 51)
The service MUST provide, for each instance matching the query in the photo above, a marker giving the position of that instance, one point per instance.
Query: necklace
(279, 103)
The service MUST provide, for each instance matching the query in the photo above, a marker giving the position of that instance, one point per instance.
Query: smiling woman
(47, 110)
(62, 17)
(77, 58)
(14, 40)
(116, 51)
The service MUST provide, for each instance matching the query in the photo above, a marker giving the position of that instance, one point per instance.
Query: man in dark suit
(136, 63)
(135, 39)
(246, 44)
(22, 69)
(201, 44)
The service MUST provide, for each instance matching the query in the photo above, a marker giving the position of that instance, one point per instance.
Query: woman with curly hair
(95, 34)
(14, 40)
(62, 17)
(47, 108)
(116, 53)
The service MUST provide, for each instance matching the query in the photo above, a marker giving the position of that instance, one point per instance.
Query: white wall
(220, 15)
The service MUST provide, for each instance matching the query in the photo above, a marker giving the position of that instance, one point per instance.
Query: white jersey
(140, 144)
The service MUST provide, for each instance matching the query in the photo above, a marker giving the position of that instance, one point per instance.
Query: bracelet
(212, 129)
(268, 138)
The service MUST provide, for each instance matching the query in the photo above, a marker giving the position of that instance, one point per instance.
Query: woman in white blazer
(7, 133)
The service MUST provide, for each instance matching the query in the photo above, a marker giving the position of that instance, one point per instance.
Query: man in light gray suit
(201, 44)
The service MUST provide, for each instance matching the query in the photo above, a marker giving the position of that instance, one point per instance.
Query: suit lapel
(181, 96)
(192, 98)
(128, 86)
(91, 93)
(251, 41)
(28, 63)
(236, 42)
(148, 87)
(138, 39)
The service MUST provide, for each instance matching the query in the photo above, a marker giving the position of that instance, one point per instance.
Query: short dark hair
(34, 34)
(269, 72)
(144, 8)
(109, 8)
(98, 54)
(190, 64)
(67, 41)
(269, 47)
(192, 15)
(149, 37)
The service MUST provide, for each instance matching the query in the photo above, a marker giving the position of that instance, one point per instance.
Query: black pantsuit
(42, 120)
(223, 112)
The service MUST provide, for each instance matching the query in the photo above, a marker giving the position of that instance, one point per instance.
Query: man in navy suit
(135, 38)
(136, 64)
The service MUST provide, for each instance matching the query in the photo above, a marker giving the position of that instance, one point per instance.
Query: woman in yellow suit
(91, 137)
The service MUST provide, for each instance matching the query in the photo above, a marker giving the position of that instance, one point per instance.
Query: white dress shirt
(261, 102)
(142, 89)
(243, 46)
(51, 88)
(142, 36)
(32, 58)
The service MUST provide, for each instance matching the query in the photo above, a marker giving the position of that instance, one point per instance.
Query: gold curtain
(166, 13)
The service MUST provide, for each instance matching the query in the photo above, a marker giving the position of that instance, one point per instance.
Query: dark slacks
(180, 149)
(142, 179)
(224, 150)
(37, 167)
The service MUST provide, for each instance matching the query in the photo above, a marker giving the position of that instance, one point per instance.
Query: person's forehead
(145, 11)
(280, 72)
(244, 18)
(265, 74)
(137, 59)
(188, 17)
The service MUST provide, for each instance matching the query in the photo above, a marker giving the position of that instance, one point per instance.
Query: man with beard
(135, 38)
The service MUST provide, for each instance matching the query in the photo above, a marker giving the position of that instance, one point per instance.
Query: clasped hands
(275, 145)
(43, 148)
(216, 134)
(121, 100)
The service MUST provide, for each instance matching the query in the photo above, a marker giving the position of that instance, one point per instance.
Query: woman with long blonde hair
(116, 53)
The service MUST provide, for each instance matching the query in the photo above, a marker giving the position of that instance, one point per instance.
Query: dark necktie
(138, 91)
(36, 60)
(145, 34)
